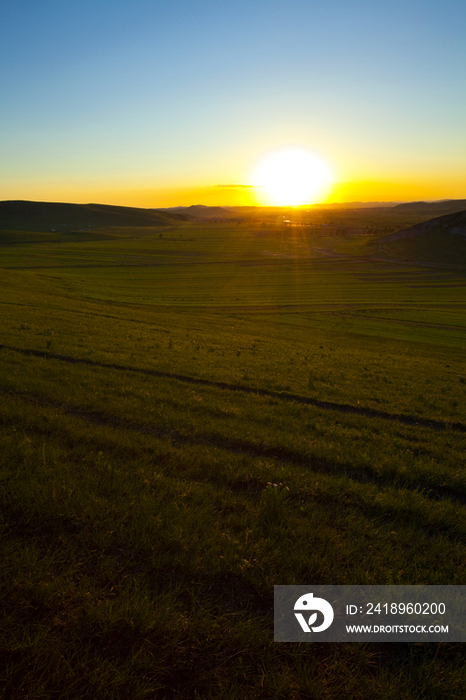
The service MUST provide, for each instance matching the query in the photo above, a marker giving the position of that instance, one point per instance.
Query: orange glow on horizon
(236, 195)
(403, 190)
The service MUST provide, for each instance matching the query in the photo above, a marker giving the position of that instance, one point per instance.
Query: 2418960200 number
(406, 608)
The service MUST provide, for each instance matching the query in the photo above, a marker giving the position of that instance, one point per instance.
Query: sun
(292, 177)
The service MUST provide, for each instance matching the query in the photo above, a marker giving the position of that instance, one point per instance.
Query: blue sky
(144, 102)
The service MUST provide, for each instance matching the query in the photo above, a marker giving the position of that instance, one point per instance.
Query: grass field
(195, 414)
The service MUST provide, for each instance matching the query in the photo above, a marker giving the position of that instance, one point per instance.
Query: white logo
(308, 602)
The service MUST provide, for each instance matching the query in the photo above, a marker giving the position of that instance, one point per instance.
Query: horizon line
(248, 206)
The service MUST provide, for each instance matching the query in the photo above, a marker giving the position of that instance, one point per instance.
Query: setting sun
(292, 177)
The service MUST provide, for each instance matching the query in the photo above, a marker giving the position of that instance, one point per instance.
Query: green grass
(435, 246)
(153, 390)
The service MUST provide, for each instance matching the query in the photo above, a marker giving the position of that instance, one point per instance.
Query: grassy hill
(447, 206)
(199, 211)
(452, 223)
(47, 216)
(441, 240)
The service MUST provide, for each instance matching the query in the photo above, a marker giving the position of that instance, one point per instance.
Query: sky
(159, 103)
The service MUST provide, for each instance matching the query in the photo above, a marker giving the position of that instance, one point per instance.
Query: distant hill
(317, 205)
(447, 206)
(440, 240)
(355, 205)
(46, 216)
(450, 223)
(199, 211)
(424, 208)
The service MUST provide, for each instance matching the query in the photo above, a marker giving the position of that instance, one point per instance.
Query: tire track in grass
(228, 386)
(360, 473)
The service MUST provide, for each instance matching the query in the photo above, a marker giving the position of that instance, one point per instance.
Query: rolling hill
(441, 240)
(46, 216)
(448, 206)
(200, 211)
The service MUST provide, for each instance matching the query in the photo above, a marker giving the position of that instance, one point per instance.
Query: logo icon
(308, 603)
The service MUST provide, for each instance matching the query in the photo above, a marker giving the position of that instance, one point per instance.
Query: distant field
(192, 415)
(324, 279)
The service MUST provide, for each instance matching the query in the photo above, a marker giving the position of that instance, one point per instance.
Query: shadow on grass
(357, 472)
(283, 396)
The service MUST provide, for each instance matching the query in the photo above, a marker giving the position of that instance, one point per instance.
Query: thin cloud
(237, 186)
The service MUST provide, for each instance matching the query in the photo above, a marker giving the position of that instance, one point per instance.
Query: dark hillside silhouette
(45, 216)
(448, 206)
(199, 211)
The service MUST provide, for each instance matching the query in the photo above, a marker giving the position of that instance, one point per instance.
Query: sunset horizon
(154, 106)
(225, 195)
